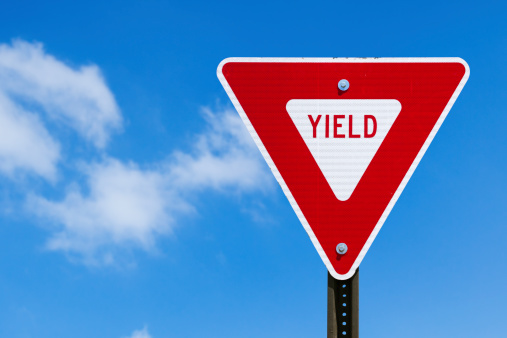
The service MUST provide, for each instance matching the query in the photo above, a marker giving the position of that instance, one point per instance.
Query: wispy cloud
(25, 144)
(224, 156)
(140, 334)
(118, 205)
(128, 207)
(79, 98)
(125, 207)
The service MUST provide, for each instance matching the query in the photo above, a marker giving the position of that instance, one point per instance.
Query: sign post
(343, 307)
(343, 136)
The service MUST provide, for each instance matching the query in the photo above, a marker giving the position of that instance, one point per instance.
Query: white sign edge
(405, 179)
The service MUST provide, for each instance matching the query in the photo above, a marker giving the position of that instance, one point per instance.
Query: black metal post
(343, 307)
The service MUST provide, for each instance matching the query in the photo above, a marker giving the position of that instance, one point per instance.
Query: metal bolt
(343, 85)
(341, 248)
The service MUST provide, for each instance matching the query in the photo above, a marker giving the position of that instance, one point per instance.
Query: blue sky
(120, 216)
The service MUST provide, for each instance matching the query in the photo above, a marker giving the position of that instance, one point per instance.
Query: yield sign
(343, 154)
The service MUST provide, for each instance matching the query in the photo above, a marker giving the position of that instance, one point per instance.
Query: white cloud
(77, 97)
(140, 334)
(24, 142)
(225, 156)
(33, 82)
(121, 205)
(128, 207)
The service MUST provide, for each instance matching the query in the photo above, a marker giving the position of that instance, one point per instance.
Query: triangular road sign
(343, 153)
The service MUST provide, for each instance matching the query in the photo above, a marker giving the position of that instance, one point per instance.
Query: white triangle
(343, 161)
